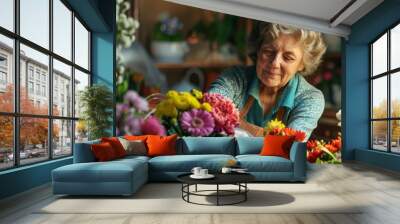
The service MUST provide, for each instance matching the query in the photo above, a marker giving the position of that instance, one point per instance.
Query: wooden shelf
(187, 65)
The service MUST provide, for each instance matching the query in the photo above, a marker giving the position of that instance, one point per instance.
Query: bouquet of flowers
(277, 127)
(318, 151)
(134, 117)
(197, 114)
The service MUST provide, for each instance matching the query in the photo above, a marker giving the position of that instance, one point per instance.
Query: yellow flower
(206, 107)
(172, 93)
(180, 102)
(198, 94)
(230, 163)
(166, 109)
(274, 125)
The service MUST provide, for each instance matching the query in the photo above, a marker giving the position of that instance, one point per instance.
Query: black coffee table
(238, 179)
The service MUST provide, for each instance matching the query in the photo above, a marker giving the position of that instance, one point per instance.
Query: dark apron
(254, 129)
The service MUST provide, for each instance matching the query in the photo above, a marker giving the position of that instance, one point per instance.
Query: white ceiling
(318, 15)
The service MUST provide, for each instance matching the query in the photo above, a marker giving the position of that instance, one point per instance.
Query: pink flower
(197, 122)
(327, 75)
(225, 114)
(132, 125)
(134, 100)
(152, 126)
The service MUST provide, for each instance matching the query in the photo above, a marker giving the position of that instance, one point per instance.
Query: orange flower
(312, 144)
(331, 148)
(337, 143)
(289, 132)
(299, 136)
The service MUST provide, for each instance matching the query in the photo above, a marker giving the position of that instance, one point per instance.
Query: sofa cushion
(116, 145)
(111, 171)
(249, 145)
(257, 163)
(207, 145)
(103, 152)
(161, 145)
(185, 163)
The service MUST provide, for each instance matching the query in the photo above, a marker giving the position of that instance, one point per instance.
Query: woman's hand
(251, 128)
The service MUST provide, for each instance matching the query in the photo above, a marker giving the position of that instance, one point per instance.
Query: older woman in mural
(275, 86)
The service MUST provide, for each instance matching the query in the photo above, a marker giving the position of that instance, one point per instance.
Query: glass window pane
(6, 142)
(395, 135)
(379, 135)
(33, 139)
(379, 55)
(395, 47)
(81, 131)
(81, 45)
(7, 14)
(81, 81)
(62, 138)
(34, 97)
(62, 89)
(62, 29)
(35, 21)
(379, 98)
(6, 74)
(395, 94)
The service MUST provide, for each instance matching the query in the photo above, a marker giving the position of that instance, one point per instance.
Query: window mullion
(50, 81)
(389, 105)
(16, 84)
(73, 83)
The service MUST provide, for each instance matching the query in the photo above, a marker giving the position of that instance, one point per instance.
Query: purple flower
(136, 101)
(133, 125)
(152, 126)
(121, 108)
(197, 122)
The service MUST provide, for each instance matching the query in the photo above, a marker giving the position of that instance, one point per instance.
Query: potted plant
(168, 43)
(96, 102)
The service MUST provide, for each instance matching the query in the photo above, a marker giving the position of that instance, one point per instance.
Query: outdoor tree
(33, 131)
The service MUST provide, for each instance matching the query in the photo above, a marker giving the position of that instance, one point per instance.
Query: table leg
(217, 194)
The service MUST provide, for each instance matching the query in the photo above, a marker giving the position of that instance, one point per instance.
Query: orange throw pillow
(136, 137)
(161, 145)
(116, 145)
(277, 146)
(103, 152)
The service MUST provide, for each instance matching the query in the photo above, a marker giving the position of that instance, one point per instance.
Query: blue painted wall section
(99, 15)
(356, 107)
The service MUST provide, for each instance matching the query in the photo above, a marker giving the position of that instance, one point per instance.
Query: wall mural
(193, 72)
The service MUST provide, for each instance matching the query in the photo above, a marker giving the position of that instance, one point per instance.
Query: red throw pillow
(116, 145)
(161, 145)
(103, 152)
(277, 146)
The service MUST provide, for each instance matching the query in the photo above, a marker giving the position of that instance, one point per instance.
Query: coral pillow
(116, 145)
(161, 145)
(277, 146)
(103, 152)
(136, 137)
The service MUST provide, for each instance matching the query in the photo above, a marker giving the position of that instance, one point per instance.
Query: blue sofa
(125, 176)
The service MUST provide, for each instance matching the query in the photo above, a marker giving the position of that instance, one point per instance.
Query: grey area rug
(166, 198)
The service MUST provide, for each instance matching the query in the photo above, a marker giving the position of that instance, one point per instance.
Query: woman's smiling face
(279, 60)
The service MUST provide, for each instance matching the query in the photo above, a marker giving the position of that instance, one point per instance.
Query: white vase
(169, 52)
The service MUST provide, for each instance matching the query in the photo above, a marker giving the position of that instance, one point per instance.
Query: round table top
(220, 178)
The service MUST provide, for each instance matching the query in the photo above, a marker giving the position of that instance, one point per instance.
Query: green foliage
(97, 103)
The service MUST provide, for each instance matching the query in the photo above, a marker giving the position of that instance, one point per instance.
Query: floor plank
(376, 189)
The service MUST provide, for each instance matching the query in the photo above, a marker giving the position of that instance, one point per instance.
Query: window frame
(388, 74)
(16, 115)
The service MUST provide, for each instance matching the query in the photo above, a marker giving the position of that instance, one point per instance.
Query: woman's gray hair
(313, 43)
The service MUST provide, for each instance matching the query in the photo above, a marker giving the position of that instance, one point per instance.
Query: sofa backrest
(83, 152)
(206, 145)
(249, 145)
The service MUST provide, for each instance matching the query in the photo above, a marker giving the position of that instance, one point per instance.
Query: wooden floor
(377, 188)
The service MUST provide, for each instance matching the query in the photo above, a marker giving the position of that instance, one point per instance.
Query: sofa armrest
(83, 152)
(298, 157)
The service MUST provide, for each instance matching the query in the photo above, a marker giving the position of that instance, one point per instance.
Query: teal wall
(99, 15)
(356, 86)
